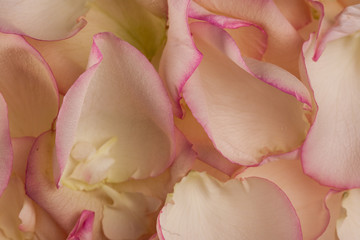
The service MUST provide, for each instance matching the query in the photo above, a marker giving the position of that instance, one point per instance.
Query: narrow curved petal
(28, 86)
(306, 195)
(202, 207)
(43, 19)
(83, 228)
(116, 106)
(6, 155)
(236, 98)
(331, 151)
(347, 226)
(180, 57)
(348, 22)
(282, 35)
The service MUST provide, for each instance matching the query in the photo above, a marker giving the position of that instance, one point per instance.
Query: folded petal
(6, 152)
(176, 68)
(119, 107)
(282, 35)
(31, 18)
(83, 228)
(236, 98)
(28, 86)
(297, 12)
(21, 148)
(331, 150)
(306, 195)
(347, 22)
(202, 207)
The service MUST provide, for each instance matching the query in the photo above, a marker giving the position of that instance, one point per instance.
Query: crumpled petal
(119, 99)
(202, 207)
(281, 34)
(6, 152)
(180, 57)
(306, 195)
(28, 86)
(331, 151)
(236, 98)
(83, 228)
(347, 22)
(43, 19)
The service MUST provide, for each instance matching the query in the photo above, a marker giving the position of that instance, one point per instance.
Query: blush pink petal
(180, 57)
(306, 195)
(282, 35)
(6, 151)
(236, 98)
(83, 228)
(43, 19)
(28, 86)
(202, 207)
(347, 22)
(331, 151)
(121, 96)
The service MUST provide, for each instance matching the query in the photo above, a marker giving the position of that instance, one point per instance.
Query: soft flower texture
(179, 119)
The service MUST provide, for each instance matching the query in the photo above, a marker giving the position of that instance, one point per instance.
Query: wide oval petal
(202, 207)
(43, 19)
(119, 100)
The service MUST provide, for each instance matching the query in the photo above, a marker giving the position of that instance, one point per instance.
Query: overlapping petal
(331, 151)
(202, 207)
(121, 104)
(27, 86)
(43, 19)
(83, 228)
(238, 99)
(306, 195)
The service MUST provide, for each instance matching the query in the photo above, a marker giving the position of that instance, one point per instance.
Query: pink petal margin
(6, 152)
(83, 228)
(180, 57)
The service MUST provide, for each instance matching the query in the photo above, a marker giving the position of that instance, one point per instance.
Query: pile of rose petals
(180, 119)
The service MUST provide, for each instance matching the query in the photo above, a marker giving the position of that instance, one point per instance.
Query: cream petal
(202, 207)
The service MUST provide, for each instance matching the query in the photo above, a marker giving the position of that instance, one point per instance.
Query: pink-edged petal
(347, 225)
(348, 22)
(176, 68)
(28, 87)
(83, 228)
(331, 151)
(282, 35)
(250, 38)
(6, 151)
(202, 145)
(43, 19)
(306, 195)
(135, 111)
(202, 207)
(237, 98)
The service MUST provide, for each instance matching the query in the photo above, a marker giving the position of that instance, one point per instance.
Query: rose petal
(6, 152)
(330, 152)
(21, 148)
(297, 12)
(31, 18)
(83, 228)
(306, 195)
(28, 86)
(232, 105)
(135, 111)
(199, 203)
(347, 226)
(347, 22)
(282, 34)
(176, 68)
